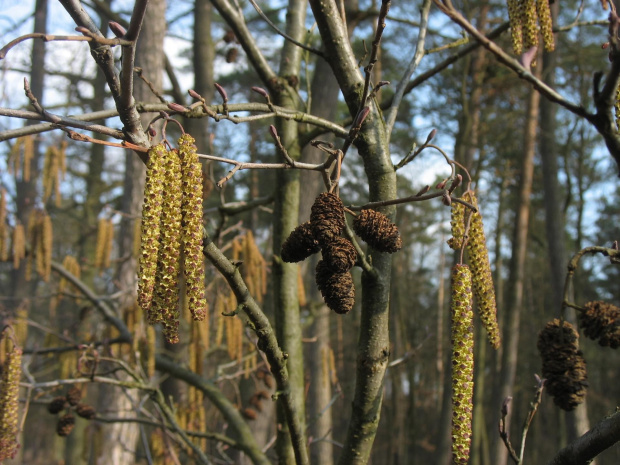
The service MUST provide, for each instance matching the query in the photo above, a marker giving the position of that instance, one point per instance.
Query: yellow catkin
(32, 232)
(219, 330)
(191, 207)
(239, 338)
(67, 364)
(462, 340)
(101, 242)
(165, 305)
(62, 159)
(150, 228)
(457, 225)
(49, 175)
(47, 240)
(332, 367)
(28, 156)
(151, 339)
(19, 245)
(109, 244)
(325, 366)
(72, 266)
(203, 330)
(516, 26)
(530, 24)
(230, 336)
(546, 24)
(9, 403)
(21, 323)
(482, 277)
(15, 156)
(301, 290)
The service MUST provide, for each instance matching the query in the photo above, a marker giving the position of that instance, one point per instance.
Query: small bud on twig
(456, 182)
(442, 184)
(195, 95)
(118, 30)
(274, 132)
(431, 136)
(423, 191)
(446, 199)
(361, 116)
(221, 91)
(82, 30)
(261, 91)
(505, 403)
(176, 107)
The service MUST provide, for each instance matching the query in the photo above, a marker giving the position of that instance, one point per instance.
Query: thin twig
(56, 38)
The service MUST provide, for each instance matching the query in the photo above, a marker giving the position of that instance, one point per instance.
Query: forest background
(546, 185)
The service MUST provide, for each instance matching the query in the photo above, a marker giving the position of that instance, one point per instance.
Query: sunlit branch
(399, 92)
(284, 34)
(57, 38)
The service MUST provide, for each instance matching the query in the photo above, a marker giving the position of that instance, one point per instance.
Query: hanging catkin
(165, 304)
(462, 340)
(482, 276)
(151, 217)
(9, 403)
(191, 207)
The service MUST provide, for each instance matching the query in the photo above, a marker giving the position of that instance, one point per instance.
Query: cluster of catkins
(69, 404)
(563, 365)
(478, 255)
(324, 233)
(171, 223)
(526, 18)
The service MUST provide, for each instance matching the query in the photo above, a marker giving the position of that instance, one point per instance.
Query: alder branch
(235, 20)
(284, 34)
(267, 341)
(399, 92)
(56, 38)
(79, 122)
(106, 311)
(246, 441)
(603, 100)
(103, 56)
(582, 450)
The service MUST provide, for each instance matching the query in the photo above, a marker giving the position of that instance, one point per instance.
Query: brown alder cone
(65, 425)
(378, 231)
(563, 365)
(340, 255)
(57, 405)
(86, 411)
(327, 218)
(74, 395)
(336, 288)
(601, 321)
(300, 244)
(462, 339)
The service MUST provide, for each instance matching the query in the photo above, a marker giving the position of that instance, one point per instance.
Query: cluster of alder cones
(563, 365)
(69, 404)
(324, 233)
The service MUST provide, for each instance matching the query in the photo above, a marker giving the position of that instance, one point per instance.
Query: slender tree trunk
(514, 302)
(286, 210)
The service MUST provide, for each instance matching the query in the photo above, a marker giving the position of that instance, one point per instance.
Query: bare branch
(55, 38)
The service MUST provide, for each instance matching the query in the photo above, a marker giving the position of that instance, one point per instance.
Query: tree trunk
(285, 219)
(514, 302)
